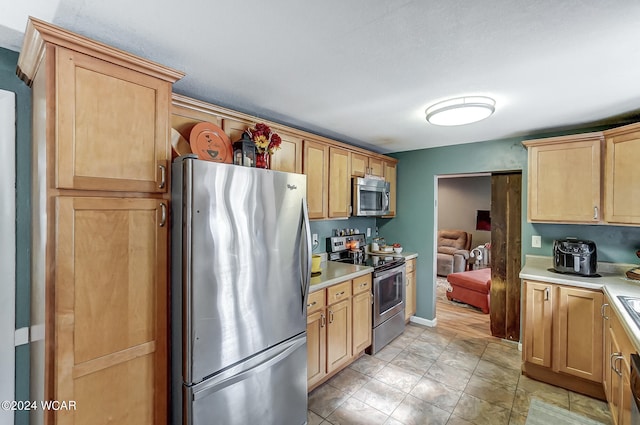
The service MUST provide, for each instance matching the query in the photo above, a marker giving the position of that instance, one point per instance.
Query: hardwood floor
(460, 318)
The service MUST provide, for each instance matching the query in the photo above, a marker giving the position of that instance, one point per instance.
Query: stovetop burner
(336, 246)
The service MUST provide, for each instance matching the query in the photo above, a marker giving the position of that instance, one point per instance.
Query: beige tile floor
(439, 376)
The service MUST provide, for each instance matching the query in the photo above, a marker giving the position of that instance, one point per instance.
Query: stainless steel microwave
(370, 197)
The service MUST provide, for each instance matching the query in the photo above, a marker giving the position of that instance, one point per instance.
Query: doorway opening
(462, 204)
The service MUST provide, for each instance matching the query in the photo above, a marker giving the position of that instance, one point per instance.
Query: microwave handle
(386, 201)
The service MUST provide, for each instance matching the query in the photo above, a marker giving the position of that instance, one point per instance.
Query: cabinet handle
(546, 293)
(602, 311)
(312, 304)
(371, 296)
(339, 294)
(330, 316)
(613, 358)
(595, 213)
(323, 320)
(163, 176)
(163, 216)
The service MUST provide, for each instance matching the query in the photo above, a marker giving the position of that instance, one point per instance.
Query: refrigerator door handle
(306, 262)
(223, 382)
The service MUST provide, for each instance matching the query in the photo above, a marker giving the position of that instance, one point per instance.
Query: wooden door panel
(339, 182)
(376, 167)
(621, 172)
(110, 305)
(538, 323)
(105, 392)
(579, 330)
(361, 322)
(316, 347)
(289, 157)
(338, 334)
(359, 164)
(552, 196)
(316, 168)
(113, 126)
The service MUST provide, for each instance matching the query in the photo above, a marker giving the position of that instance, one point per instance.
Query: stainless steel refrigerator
(241, 266)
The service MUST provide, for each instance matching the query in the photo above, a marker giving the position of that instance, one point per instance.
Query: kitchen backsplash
(325, 228)
(615, 244)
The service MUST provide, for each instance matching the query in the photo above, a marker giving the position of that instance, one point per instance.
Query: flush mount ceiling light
(461, 110)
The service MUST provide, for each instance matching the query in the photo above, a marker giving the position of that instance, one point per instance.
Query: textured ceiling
(364, 71)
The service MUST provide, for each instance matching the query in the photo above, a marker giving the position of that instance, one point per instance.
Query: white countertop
(334, 272)
(612, 282)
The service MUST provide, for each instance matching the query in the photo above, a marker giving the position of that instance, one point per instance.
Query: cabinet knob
(595, 213)
(546, 293)
(602, 311)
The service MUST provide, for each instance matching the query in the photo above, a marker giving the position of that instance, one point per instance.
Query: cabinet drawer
(411, 265)
(361, 284)
(338, 292)
(315, 301)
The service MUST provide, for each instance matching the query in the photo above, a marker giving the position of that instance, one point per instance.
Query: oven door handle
(390, 272)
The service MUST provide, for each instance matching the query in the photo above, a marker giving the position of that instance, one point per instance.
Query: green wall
(10, 82)
(414, 225)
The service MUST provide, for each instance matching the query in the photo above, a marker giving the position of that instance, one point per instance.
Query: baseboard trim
(424, 322)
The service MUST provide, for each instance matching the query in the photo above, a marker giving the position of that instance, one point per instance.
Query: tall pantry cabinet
(100, 196)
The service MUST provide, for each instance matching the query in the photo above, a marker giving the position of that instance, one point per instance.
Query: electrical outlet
(368, 232)
(314, 239)
(536, 241)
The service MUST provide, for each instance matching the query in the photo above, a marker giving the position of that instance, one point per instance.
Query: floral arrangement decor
(266, 141)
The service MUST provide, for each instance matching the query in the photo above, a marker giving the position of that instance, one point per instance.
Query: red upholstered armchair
(453, 251)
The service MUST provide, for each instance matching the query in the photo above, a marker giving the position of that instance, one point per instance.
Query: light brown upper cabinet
(362, 164)
(621, 189)
(390, 170)
(316, 168)
(289, 157)
(112, 126)
(564, 179)
(339, 182)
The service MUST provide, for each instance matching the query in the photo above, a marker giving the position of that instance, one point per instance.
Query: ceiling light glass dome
(461, 110)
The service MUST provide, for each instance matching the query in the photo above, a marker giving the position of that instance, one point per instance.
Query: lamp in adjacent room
(461, 110)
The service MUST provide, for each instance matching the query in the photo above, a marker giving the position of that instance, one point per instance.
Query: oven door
(388, 293)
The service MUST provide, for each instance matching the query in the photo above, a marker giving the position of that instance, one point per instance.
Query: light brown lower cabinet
(617, 351)
(362, 313)
(563, 338)
(338, 328)
(410, 296)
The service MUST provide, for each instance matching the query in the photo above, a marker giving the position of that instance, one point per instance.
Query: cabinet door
(338, 334)
(316, 347)
(316, 167)
(390, 176)
(339, 183)
(110, 310)
(579, 333)
(538, 321)
(362, 311)
(376, 167)
(564, 180)
(112, 126)
(622, 203)
(359, 164)
(289, 157)
(410, 305)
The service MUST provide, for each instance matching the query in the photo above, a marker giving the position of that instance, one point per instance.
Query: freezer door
(248, 267)
(268, 389)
